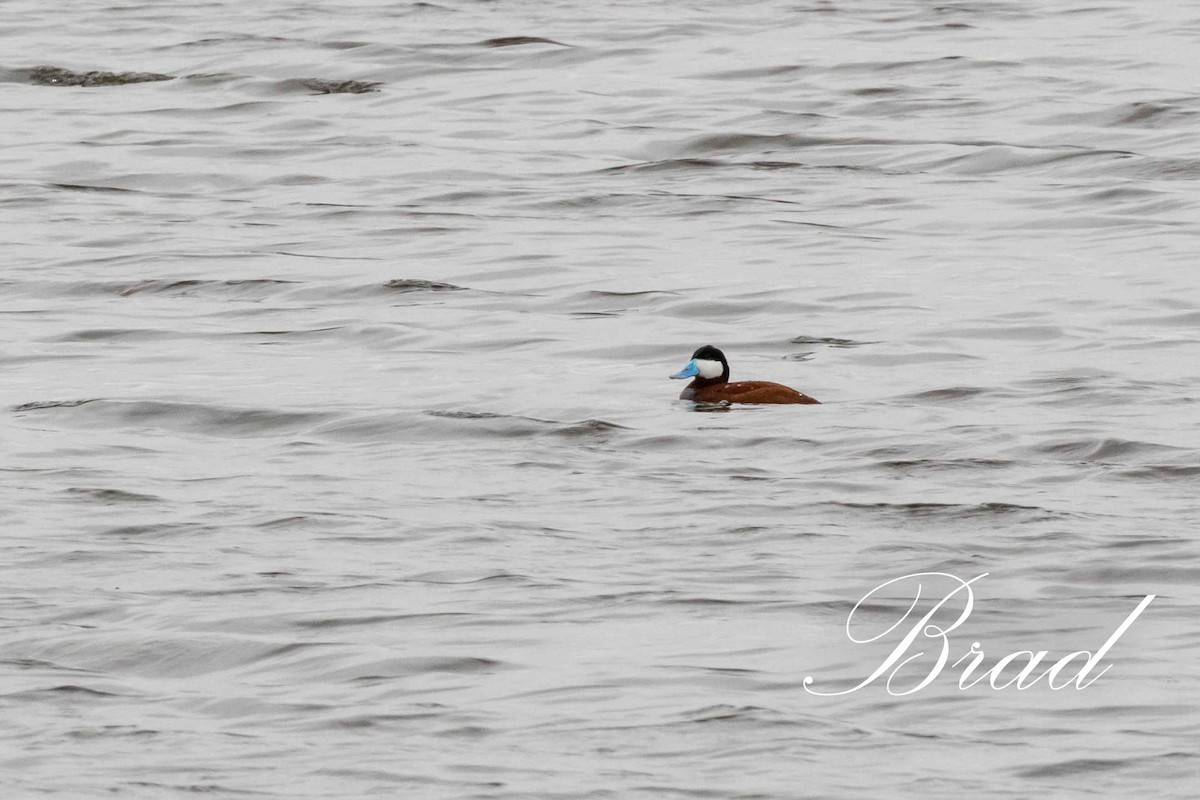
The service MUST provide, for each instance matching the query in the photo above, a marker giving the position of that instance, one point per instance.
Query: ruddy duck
(710, 372)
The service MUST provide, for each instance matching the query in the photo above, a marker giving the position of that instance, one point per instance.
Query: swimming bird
(710, 373)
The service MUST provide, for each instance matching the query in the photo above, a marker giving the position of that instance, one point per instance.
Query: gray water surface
(339, 458)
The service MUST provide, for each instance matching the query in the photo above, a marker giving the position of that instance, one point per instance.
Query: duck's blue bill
(691, 370)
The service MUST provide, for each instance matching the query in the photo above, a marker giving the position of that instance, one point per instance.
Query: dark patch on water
(668, 165)
(938, 464)
(107, 731)
(729, 713)
(191, 286)
(323, 256)
(322, 86)
(65, 690)
(466, 414)
(1104, 449)
(37, 405)
(1138, 114)
(1186, 319)
(1076, 767)
(117, 335)
(705, 601)
(753, 73)
(878, 91)
(587, 427)
(1163, 472)
(516, 41)
(828, 340)
(950, 394)
(647, 293)
(707, 144)
(156, 531)
(78, 187)
(947, 511)
(199, 417)
(57, 76)
(112, 496)
(238, 39)
(417, 285)
(293, 333)
(521, 425)
(375, 619)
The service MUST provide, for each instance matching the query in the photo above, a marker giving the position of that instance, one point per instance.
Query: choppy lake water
(339, 458)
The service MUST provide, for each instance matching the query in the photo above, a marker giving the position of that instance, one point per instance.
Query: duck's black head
(708, 365)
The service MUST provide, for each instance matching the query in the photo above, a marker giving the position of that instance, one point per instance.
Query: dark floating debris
(320, 86)
(56, 76)
(829, 340)
(415, 285)
(514, 41)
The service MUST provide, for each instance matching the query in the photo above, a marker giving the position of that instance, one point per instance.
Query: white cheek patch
(709, 369)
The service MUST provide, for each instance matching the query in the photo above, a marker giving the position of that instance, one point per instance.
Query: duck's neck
(700, 383)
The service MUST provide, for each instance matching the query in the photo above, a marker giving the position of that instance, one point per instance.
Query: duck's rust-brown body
(743, 392)
(710, 384)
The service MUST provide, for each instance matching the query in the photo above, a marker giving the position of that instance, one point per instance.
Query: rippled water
(340, 459)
